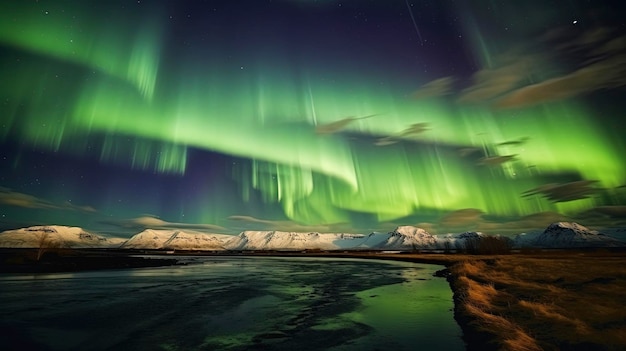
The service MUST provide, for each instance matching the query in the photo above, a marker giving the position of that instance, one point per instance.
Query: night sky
(302, 115)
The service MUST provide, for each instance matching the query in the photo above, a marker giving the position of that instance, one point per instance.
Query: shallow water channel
(233, 303)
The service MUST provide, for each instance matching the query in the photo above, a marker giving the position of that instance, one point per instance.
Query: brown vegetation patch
(552, 302)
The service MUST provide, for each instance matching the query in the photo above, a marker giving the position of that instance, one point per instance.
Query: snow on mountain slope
(176, 239)
(349, 241)
(55, 236)
(402, 238)
(407, 238)
(526, 239)
(149, 239)
(457, 241)
(196, 241)
(570, 235)
(277, 240)
(373, 239)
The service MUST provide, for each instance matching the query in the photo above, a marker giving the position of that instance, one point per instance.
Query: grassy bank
(545, 301)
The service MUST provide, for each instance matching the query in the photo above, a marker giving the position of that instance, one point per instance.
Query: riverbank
(544, 301)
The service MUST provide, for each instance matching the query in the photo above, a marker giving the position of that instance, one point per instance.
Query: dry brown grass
(552, 302)
(479, 301)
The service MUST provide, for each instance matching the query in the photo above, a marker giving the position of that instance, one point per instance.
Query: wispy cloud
(600, 63)
(410, 133)
(435, 88)
(288, 226)
(535, 221)
(70, 205)
(603, 216)
(337, 126)
(495, 160)
(525, 74)
(608, 212)
(563, 192)
(472, 219)
(466, 219)
(17, 199)
(153, 222)
(606, 74)
(491, 83)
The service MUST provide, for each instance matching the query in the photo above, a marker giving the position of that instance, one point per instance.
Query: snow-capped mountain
(176, 239)
(568, 235)
(55, 236)
(557, 235)
(408, 237)
(277, 240)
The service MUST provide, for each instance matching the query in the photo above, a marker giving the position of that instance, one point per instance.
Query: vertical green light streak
(261, 113)
(64, 33)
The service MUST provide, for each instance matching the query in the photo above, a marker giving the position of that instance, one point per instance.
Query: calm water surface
(233, 303)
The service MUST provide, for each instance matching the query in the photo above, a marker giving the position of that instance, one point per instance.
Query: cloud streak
(17, 199)
(288, 226)
(152, 222)
(523, 77)
(607, 74)
(563, 192)
(601, 64)
(435, 88)
(491, 83)
(466, 219)
(337, 126)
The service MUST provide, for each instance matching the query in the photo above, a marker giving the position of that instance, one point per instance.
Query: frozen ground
(232, 304)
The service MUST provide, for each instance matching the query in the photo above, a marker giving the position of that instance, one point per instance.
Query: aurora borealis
(312, 115)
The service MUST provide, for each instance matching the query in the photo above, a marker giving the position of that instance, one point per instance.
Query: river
(233, 303)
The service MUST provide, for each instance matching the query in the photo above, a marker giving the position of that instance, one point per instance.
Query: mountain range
(175, 240)
(556, 235)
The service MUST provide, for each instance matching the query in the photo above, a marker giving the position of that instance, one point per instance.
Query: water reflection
(235, 304)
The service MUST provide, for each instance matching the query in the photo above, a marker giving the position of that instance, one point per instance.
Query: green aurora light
(78, 83)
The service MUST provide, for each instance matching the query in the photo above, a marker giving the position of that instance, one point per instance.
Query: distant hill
(57, 236)
(407, 238)
(567, 235)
